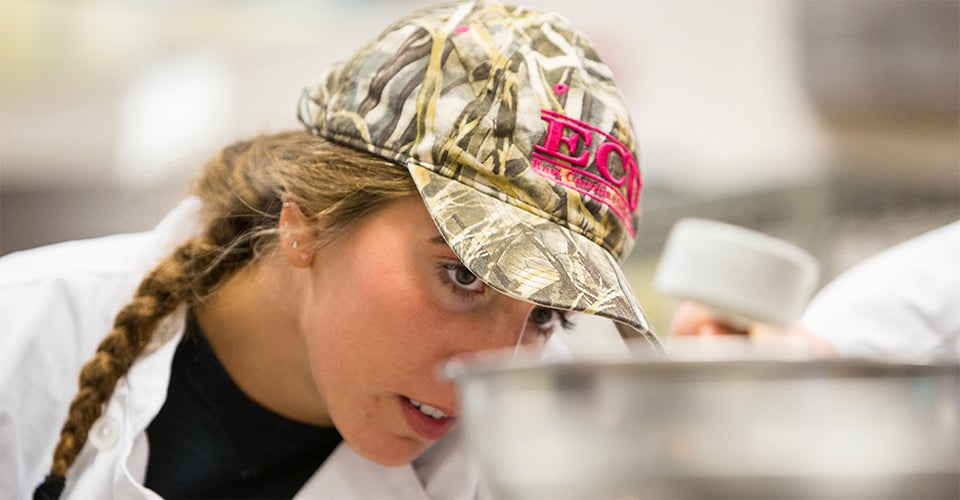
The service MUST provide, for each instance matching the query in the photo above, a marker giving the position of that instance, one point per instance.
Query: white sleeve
(903, 303)
(56, 303)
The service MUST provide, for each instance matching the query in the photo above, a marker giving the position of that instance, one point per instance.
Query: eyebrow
(438, 241)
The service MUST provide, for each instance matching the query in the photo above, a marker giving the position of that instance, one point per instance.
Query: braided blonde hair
(241, 190)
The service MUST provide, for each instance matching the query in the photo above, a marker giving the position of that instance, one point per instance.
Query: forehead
(407, 217)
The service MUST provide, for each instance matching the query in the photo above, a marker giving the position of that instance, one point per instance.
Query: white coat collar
(444, 471)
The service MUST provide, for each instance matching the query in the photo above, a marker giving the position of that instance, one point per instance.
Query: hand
(692, 319)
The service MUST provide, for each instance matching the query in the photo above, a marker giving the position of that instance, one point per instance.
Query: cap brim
(527, 257)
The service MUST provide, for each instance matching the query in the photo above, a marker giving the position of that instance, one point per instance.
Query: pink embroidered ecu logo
(607, 173)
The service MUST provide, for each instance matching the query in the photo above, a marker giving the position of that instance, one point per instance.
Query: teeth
(428, 410)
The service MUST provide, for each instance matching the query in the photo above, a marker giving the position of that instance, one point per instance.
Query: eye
(461, 277)
(546, 320)
(543, 317)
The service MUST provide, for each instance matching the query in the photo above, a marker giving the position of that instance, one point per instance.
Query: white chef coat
(902, 303)
(57, 302)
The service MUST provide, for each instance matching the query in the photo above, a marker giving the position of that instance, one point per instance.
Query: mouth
(430, 411)
(426, 420)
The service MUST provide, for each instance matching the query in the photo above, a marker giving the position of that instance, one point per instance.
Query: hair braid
(191, 272)
(241, 189)
(167, 286)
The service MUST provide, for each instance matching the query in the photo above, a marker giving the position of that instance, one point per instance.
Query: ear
(296, 235)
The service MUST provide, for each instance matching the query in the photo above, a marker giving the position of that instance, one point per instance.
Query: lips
(426, 420)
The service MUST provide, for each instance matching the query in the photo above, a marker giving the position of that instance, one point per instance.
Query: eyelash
(563, 321)
(458, 290)
(443, 271)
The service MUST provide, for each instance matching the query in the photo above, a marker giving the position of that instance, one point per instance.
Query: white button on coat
(105, 433)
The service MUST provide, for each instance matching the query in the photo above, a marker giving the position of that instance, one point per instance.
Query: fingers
(696, 320)
(693, 319)
(795, 337)
(718, 327)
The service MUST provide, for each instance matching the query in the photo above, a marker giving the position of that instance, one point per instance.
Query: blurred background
(832, 124)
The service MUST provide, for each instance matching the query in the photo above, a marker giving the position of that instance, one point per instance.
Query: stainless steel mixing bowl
(728, 428)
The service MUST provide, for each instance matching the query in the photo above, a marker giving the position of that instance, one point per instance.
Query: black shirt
(212, 441)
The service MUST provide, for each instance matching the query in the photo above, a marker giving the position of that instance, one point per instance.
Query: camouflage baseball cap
(518, 140)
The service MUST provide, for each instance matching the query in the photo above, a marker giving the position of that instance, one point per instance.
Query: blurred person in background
(900, 304)
(462, 182)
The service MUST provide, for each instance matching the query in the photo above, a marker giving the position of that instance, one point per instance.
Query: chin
(400, 452)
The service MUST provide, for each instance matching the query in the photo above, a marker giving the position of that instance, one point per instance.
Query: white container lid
(739, 273)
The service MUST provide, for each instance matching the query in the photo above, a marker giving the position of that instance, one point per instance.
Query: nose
(500, 326)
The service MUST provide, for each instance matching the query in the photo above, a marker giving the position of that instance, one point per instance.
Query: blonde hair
(241, 189)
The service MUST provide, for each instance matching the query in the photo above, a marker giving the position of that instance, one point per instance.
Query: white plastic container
(739, 273)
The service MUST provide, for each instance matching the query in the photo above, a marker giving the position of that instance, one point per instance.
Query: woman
(464, 180)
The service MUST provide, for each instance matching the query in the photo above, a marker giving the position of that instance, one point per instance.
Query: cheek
(369, 320)
(382, 300)
(368, 342)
